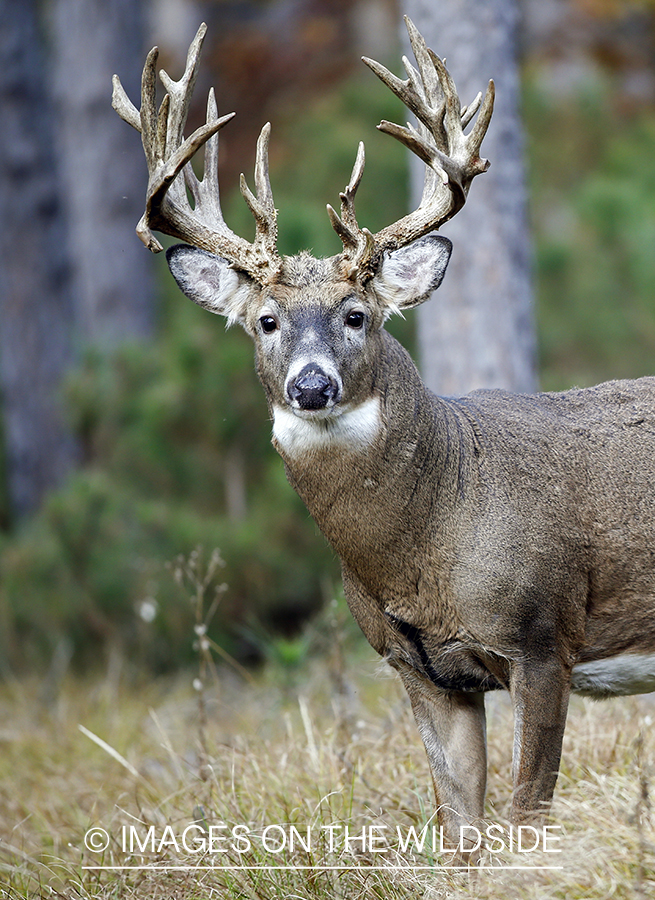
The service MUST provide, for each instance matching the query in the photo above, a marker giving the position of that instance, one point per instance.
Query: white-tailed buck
(497, 541)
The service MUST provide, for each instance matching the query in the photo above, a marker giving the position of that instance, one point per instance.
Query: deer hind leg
(540, 695)
(453, 728)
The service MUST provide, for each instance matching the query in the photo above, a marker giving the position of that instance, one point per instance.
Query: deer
(496, 541)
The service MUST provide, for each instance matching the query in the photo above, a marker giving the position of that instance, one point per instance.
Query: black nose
(312, 388)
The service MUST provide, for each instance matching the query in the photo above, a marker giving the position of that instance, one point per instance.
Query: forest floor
(304, 781)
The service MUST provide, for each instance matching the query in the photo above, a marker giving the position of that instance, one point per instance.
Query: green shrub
(593, 199)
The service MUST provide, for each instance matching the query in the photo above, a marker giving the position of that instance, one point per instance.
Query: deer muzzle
(312, 389)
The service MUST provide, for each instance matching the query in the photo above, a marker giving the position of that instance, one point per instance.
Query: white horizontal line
(353, 868)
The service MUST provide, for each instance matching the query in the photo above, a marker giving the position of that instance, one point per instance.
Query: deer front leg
(453, 728)
(540, 696)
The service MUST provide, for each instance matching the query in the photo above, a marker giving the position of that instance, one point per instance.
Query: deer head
(315, 322)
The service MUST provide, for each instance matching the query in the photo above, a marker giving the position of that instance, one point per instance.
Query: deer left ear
(408, 276)
(211, 282)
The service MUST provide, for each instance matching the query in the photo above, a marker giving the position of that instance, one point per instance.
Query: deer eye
(268, 323)
(355, 319)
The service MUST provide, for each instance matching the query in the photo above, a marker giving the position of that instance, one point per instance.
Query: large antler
(451, 158)
(168, 153)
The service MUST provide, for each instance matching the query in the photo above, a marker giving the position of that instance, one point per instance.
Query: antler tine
(358, 242)
(148, 113)
(181, 91)
(469, 111)
(451, 157)
(479, 129)
(205, 193)
(262, 179)
(209, 195)
(168, 154)
(262, 206)
(427, 82)
(428, 105)
(123, 105)
(346, 225)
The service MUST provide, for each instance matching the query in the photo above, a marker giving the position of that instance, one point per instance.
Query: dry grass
(310, 748)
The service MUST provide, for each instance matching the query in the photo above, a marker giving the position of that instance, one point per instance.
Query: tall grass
(327, 741)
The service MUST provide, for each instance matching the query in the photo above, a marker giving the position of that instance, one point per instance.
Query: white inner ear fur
(408, 276)
(210, 282)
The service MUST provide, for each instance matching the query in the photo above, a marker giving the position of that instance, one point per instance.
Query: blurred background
(134, 432)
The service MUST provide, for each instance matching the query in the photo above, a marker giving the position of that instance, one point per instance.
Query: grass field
(269, 767)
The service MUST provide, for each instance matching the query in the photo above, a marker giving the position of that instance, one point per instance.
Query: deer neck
(360, 472)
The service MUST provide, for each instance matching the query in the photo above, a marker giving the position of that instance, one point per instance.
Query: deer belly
(629, 673)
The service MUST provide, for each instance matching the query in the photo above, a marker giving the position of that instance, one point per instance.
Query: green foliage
(593, 196)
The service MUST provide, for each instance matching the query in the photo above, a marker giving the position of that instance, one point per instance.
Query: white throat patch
(339, 428)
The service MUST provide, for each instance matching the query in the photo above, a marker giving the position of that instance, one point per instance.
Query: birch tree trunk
(36, 309)
(478, 330)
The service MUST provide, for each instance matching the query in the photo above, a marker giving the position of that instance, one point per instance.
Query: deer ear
(211, 282)
(408, 276)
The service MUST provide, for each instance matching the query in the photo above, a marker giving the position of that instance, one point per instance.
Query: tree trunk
(478, 331)
(36, 312)
(103, 171)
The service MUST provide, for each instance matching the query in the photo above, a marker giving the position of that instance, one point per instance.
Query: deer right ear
(408, 276)
(211, 282)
